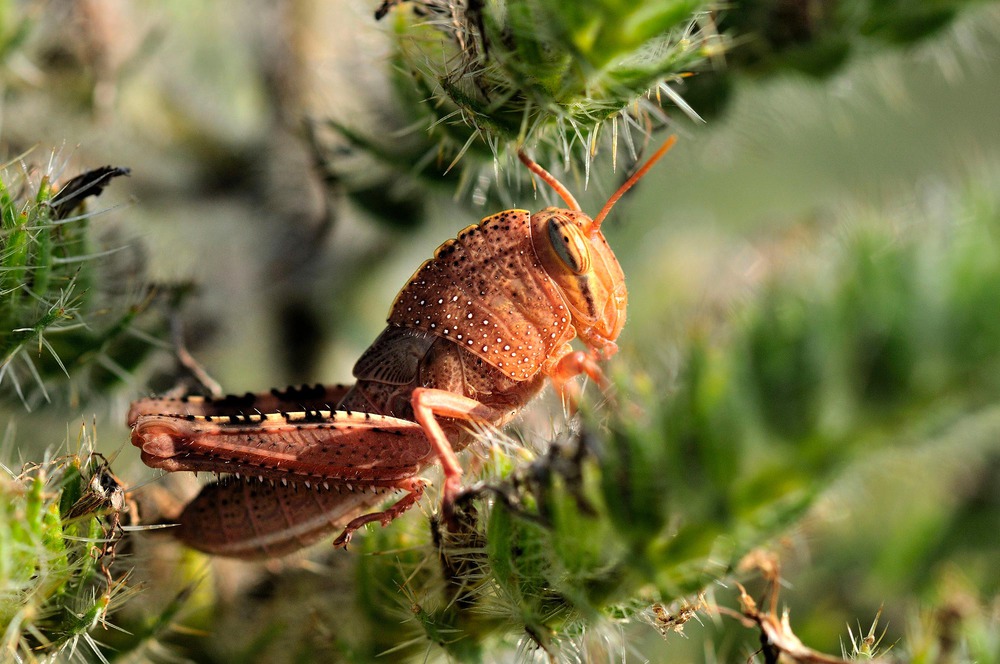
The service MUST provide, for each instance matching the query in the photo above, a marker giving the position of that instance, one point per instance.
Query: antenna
(550, 180)
(667, 144)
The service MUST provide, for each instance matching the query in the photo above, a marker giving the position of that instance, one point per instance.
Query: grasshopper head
(574, 253)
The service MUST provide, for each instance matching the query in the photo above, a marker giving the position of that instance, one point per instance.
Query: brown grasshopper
(470, 338)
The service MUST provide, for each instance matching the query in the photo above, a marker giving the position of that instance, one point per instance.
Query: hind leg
(415, 490)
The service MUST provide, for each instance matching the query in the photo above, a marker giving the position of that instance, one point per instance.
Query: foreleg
(568, 367)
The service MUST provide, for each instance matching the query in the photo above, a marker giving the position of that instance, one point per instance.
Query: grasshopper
(471, 338)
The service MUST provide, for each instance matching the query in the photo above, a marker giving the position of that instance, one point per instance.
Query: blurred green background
(812, 192)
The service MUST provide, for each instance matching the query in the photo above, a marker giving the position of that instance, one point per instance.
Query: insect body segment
(303, 398)
(312, 445)
(471, 337)
(246, 519)
(486, 292)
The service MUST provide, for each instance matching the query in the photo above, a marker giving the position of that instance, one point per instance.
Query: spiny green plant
(68, 304)
(481, 79)
(60, 523)
(524, 72)
(483, 76)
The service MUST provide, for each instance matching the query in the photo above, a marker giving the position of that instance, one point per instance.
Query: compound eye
(570, 244)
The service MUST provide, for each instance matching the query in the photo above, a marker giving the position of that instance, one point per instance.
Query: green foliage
(475, 81)
(14, 28)
(549, 74)
(521, 72)
(67, 306)
(480, 80)
(57, 533)
(768, 37)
